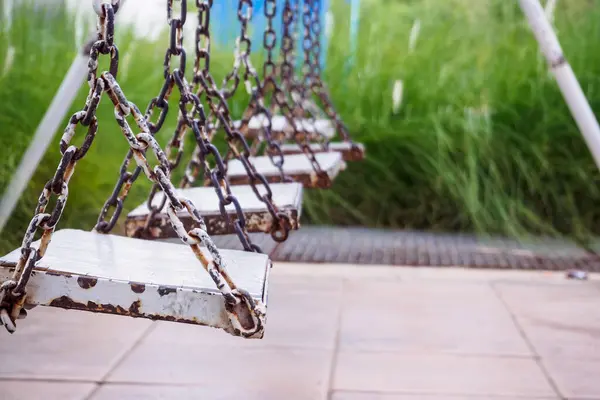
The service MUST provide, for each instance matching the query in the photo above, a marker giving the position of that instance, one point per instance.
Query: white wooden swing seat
(118, 275)
(281, 128)
(286, 196)
(296, 166)
(345, 148)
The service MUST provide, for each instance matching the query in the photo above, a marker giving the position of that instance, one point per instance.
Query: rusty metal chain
(256, 107)
(313, 29)
(289, 81)
(176, 144)
(13, 291)
(247, 315)
(204, 148)
(235, 140)
(278, 95)
(269, 39)
(288, 47)
(193, 118)
(243, 45)
(174, 78)
(161, 102)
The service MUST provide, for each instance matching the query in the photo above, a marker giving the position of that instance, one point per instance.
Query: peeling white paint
(175, 285)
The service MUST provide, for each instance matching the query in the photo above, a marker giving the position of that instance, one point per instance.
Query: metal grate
(315, 244)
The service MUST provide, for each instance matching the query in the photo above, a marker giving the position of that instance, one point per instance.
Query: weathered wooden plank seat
(281, 128)
(348, 152)
(286, 196)
(132, 277)
(296, 166)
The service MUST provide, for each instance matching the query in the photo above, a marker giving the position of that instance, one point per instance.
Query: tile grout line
(537, 357)
(438, 395)
(120, 360)
(336, 344)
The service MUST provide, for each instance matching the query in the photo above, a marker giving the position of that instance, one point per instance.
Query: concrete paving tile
(52, 343)
(302, 312)
(560, 321)
(334, 272)
(575, 378)
(427, 316)
(343, 395)
(254, 369)
(158, 392)
(421, 273)
(440, 374)
(39, 390)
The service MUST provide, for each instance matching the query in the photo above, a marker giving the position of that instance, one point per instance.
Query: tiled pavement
(333, 331)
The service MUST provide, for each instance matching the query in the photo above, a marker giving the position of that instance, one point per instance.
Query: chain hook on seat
(246, 314)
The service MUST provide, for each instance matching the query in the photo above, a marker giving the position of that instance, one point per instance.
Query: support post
(565, 77)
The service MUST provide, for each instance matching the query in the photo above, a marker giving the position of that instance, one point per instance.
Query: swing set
(252, 188)
(281, 145)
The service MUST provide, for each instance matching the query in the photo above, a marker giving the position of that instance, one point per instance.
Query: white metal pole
(567, 82)
(45, 132)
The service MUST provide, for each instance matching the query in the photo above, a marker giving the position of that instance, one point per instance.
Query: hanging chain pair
(253, 85)
(13, 291)
(313, 29)
(297, 91)
(160, 102)
(246, 315)
(288, 40)
(194, 119)
(204, 82)
(279, 96)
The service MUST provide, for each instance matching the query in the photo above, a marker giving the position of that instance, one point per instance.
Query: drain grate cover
(316, 244)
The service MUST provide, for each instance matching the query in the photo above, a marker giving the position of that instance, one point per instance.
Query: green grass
(483, 141)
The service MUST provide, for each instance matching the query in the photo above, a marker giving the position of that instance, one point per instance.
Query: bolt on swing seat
(295, 166)
(111, 274)
(287, 197)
